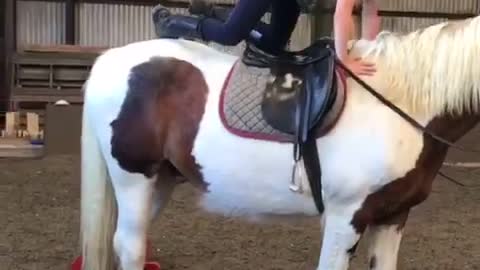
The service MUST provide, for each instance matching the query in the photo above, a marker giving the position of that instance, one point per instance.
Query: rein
(407, 118)
(309, 60)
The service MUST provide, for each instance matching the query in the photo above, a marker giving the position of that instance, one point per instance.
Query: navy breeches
(245, 17)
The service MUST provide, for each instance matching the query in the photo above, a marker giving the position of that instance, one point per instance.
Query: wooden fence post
(12, 122)
(33, 125)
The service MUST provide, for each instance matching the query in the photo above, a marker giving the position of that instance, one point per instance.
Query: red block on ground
(77, 265)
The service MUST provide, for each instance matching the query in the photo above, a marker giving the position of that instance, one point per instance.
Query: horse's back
(107, 84)
(115, 64)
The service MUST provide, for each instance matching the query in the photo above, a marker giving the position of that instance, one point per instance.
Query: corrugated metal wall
(450, 6)
(104, 24)
(40, 23)
(405, 24)
(115, 24)
(302, 35)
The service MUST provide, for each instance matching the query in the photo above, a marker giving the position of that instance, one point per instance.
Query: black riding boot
(175, 26)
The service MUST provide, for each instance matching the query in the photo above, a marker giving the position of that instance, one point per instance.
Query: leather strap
(397, 110)
(313, 170)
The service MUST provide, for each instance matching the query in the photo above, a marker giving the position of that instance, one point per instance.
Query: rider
(244, 23)
(244, 18)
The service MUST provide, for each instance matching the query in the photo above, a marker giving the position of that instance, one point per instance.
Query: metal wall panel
(405, 24)
(446, 6)
(40, 23)
(400, 24)
(114, 24)
(224, 1)
(302, 35)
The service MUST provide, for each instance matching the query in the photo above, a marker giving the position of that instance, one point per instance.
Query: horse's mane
(431, 70)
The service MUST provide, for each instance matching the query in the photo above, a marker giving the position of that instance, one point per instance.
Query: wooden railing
(48, 74)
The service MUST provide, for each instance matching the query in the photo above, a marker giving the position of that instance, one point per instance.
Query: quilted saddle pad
(240, 104)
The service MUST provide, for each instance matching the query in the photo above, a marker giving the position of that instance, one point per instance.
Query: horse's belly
(248, 177)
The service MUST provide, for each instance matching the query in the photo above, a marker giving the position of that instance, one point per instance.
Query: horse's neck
(453, 128)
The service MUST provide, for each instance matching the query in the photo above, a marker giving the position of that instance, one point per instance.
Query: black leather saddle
(304, 88)
(299, 98)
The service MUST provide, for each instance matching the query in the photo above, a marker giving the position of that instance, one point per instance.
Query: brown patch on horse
(159, 118)
(391, 204)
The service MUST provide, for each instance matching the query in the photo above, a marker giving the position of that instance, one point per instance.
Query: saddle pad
(240, 104)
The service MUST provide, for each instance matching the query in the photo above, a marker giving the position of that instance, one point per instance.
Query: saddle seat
(303, 94)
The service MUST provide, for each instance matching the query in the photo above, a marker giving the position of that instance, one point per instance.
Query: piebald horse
(151, 122)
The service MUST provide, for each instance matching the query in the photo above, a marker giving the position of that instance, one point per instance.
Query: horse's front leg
(340, 239)
(385, 241)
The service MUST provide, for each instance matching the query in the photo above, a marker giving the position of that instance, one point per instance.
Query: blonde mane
(431, 70)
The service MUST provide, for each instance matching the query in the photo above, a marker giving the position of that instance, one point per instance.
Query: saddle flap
(319, 84)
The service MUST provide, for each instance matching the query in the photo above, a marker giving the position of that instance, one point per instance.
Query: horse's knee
(423, 193)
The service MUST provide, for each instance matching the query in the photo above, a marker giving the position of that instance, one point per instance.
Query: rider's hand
(360, 67)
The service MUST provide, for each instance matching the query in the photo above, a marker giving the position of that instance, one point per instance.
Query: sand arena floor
(39, 219)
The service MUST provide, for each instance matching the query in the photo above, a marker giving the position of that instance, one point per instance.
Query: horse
(151, 121)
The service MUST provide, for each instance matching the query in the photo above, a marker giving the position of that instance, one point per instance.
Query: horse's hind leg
(164, 186)
(134, 198)
(385, 241)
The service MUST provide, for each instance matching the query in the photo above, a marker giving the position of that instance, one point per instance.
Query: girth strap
(314, 173)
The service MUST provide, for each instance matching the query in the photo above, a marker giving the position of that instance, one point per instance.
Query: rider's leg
(242, 20)
(243, 23)
(276, 35)
(271, 37)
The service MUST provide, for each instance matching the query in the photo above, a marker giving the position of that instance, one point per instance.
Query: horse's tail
(98, 207)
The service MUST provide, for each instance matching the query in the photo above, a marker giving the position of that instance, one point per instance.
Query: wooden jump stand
(41, 75)
(21, 141)
(13, 127)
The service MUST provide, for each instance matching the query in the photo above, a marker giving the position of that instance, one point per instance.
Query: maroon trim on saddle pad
(265, 136)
